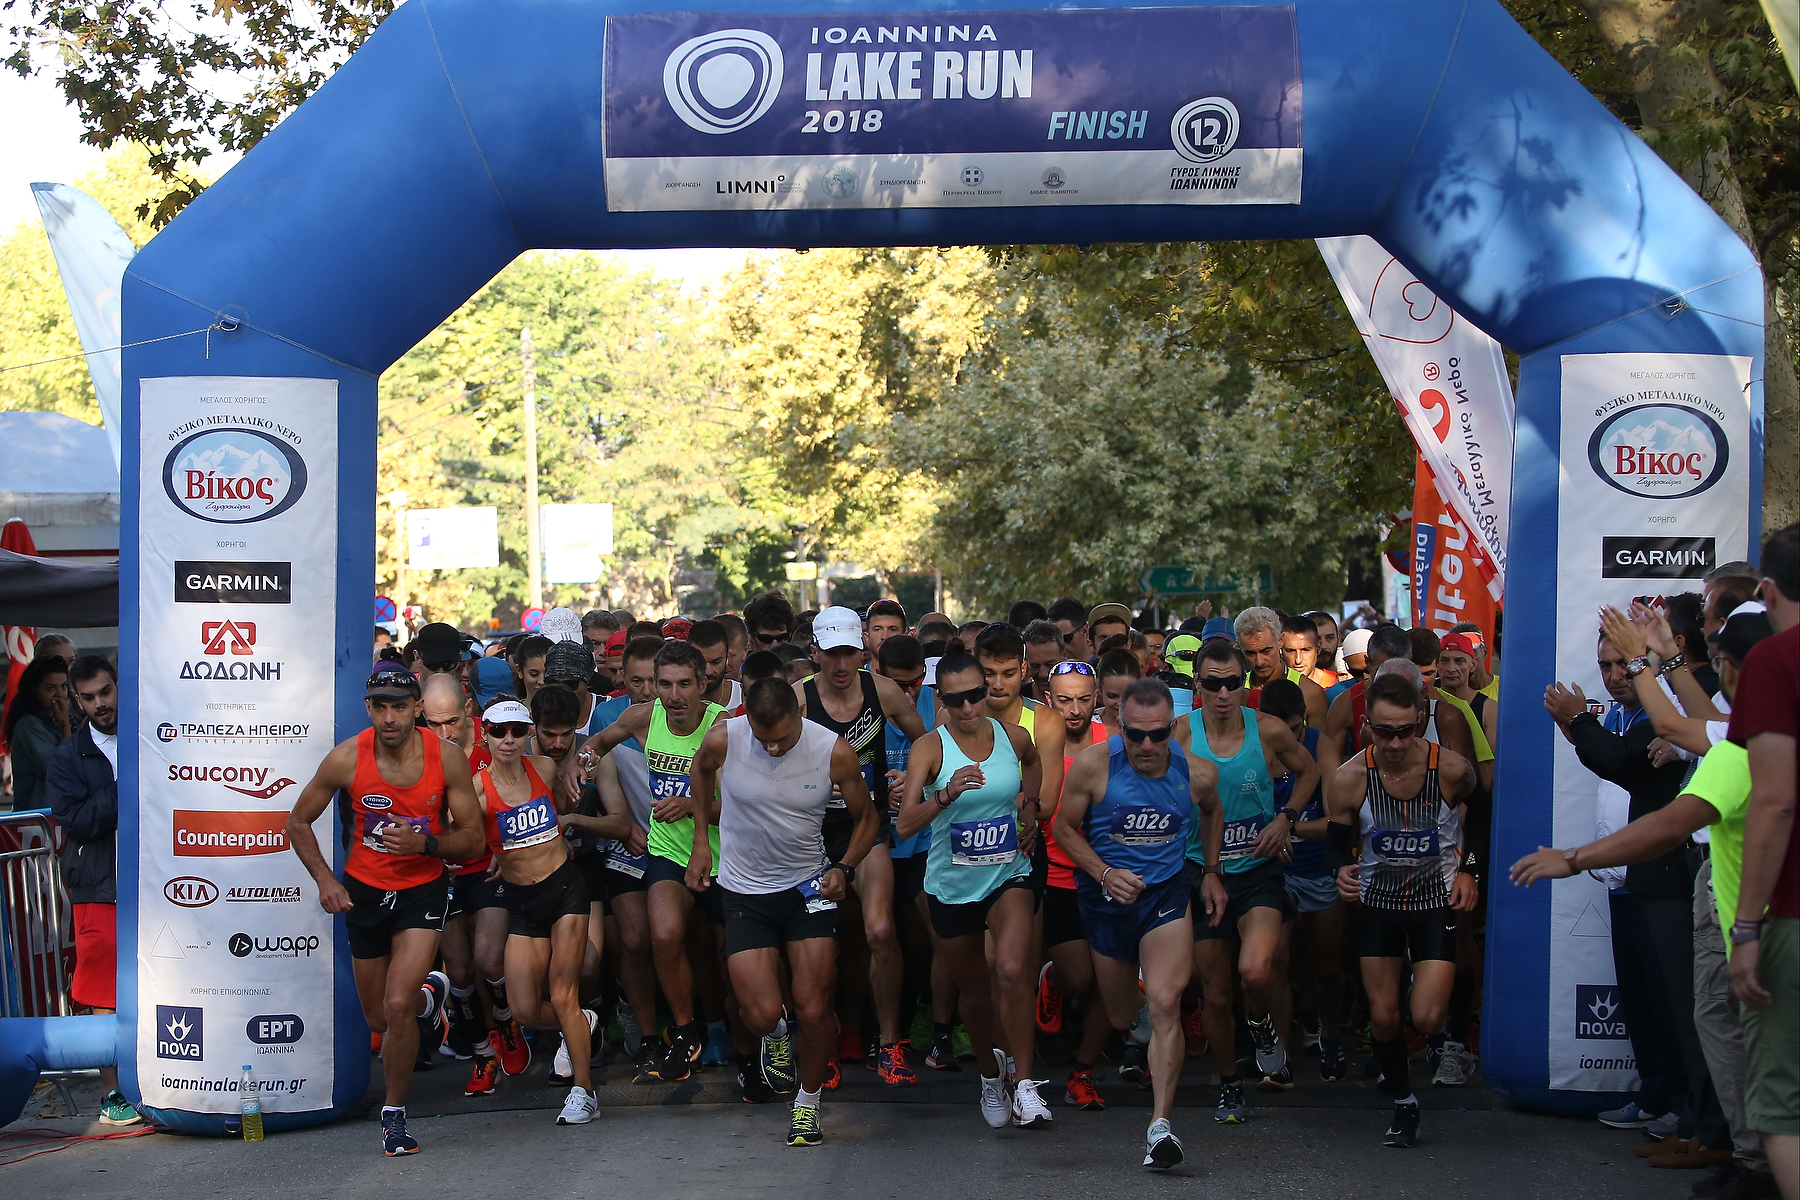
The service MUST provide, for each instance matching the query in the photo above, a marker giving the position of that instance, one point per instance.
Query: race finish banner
(238, 594)
(707, 111)
(1655, 493)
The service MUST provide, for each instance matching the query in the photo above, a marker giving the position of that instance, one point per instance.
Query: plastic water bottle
(250, 1106)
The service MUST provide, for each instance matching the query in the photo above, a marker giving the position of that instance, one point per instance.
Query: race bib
(1404, 847)
(988, 843)
(625, 863)
(1144, 825)
(1240, 837)
(815, 903)
(374, 822)
(530, 824)
(664, 784)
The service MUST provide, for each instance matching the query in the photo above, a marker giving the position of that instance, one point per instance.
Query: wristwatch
(431, 844)
(1744, 934)
(1293, 818)
(848, 870)
(1637, 666)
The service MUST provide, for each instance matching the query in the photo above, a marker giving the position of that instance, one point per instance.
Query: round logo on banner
(722, 82)
(1205, 130)
(1659, 451)
(234, 476)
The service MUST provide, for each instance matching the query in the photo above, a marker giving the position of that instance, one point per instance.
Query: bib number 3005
(1404, 847)
(988, 843)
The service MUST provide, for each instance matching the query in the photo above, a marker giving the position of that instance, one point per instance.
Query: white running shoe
(1162, 1149)
(995, 1109)
(628, 1025)
(1140, 1028)
(562, 1068)
(581, 1107)
(1028, 1108)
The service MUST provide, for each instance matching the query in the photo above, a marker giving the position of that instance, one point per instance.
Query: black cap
(439, 643)
(568, 660)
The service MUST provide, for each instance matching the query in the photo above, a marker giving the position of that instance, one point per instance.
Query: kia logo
(191, 891)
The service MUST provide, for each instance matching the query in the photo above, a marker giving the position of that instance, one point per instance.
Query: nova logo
(180, 1032)
(233, 476)
(723, 82)
(1597, 1016)
(1663, 451)
(190, 891)
(237, 636)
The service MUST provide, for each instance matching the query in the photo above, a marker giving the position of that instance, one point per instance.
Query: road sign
(384, 609)
(532, 619)
(1182, 581)
(802, 571)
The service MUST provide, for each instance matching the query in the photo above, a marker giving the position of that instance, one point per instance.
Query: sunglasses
(445, 667)
(1072, 668)
(1181, 655)
(960, 699)
(1218, 683)
(1358, 672)
(1390, 733)
(769, 639)
(516, 729)
(1159, 734)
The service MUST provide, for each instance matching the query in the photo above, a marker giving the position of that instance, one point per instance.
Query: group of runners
(779, 836)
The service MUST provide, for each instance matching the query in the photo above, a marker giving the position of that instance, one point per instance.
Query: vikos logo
(1205, 130)
(722, 82)
(234, 476)
(1663, 451)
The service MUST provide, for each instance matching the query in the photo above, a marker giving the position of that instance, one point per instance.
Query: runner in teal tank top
(1249, 754)
(975, 780)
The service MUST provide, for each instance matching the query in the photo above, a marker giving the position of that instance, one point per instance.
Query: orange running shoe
(482, 1078)
(850, 1046)
(1049, 1003)
(1081, 1092)
(893, 1068)
(374, 1043)
(511, 1047)
(1194, 1031)
(833, 1076)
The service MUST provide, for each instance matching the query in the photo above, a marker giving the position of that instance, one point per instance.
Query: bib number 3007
(988, 843)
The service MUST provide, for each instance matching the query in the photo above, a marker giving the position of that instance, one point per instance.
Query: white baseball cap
(1357, 641)
(561, 625)
(837, 628)
(507, 710)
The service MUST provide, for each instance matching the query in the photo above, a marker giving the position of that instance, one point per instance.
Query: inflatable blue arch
(466, 132)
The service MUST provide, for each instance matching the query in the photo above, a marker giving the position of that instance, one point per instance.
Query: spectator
(1765, 962)
(54, 645)
(36, 720)
(83, 796)
(383, 639)
(597, 625)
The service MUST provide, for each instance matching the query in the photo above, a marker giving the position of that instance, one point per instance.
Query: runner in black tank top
(867, 735)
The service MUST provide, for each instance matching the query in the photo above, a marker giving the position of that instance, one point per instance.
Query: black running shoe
(1403, 1133)
(679, 1060)
(1135, 1066)
(750, 1080)
(395, 1141)
(804, 1130)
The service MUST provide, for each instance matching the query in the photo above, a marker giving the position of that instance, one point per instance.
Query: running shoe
(395, 1141)
(995, 1109)
(1162, 1149)
(678, 1060)
(1231, 1110)
(511, 1047)
(965, 1050)
(833, 1076)
(459, 1043)
(1404, 1131)
(433, 1027)
(115, 1109)
(942, 1056)
(1280, 1081)
(804, 1129)
(892, 1066)
(631, 1034)
(562, 1068)
(1194, 1031)
(1334, 1067)
(1310, 1035)
(1049, 1003)
(1136, 1066)
(483, 1077)
(750, 1081)
(644, 1070)
(1270, 1056)
(1141, 1028)
(1455, 1067)
(1081, 1092)
(718, 1046)
(1028, 1108)
(581, 1107)
(776, 1057)
(1629, 1117)
(850, 1046)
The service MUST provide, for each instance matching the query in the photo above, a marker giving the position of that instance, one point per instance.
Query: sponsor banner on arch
(237, 593)
(952, 109)
(1655, 491)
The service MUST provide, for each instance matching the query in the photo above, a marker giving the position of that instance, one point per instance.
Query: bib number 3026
(1142, 825)
(988, 843)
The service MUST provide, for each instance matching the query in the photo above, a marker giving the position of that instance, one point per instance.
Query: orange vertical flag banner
(1453, 577)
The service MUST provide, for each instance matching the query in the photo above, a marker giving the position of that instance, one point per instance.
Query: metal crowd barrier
(37, 932)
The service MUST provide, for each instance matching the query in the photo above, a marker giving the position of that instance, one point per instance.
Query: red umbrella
(21, 640)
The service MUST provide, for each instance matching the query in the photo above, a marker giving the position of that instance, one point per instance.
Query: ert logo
(1661, 451)
(278, 1029)
(234, 476)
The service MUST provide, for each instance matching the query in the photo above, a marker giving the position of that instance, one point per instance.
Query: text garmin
(206, 582)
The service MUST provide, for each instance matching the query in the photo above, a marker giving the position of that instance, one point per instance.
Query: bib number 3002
(529, 824)
(988, 843)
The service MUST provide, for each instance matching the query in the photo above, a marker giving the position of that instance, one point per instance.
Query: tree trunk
(1645, 37)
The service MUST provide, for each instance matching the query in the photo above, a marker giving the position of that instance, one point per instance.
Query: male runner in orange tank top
(395, 889)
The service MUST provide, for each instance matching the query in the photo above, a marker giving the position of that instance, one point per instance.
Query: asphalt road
(697, 1141)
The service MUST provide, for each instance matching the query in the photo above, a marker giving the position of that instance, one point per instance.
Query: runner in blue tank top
(1126, 809)
(975, 781)
(1257, 838)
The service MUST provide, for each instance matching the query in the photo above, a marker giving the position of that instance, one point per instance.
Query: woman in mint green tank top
(974, 780)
